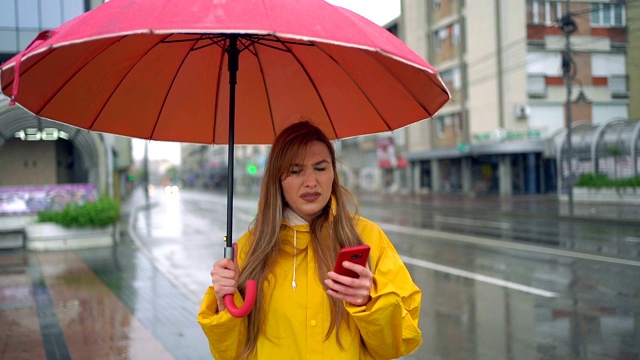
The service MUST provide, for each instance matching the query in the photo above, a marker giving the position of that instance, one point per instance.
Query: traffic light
(252, 169)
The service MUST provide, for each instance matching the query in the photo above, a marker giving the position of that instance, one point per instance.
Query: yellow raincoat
(297, 321)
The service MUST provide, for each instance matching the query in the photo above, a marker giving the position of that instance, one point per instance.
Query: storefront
(505, 168)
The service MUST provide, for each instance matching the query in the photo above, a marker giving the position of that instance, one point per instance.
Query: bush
(102, 212)
(602, 181)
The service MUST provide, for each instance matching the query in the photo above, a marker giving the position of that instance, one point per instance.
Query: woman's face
(308, 188)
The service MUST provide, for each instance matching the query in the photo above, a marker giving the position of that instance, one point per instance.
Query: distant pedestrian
(304, 309)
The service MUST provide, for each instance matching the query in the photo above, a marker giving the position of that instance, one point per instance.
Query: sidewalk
(102, 303)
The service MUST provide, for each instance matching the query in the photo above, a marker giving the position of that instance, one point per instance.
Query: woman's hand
(224, 277)
(356, 291)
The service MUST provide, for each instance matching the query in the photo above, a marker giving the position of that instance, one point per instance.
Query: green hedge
(102, 212)
(602, 181)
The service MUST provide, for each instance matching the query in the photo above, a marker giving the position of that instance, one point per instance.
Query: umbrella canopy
(198, 71)
(158, 70)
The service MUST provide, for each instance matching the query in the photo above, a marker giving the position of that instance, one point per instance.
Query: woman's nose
(309, 179)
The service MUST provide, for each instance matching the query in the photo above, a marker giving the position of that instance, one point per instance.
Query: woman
(303, 309)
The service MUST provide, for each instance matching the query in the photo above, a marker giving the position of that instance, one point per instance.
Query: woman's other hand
(355, 291)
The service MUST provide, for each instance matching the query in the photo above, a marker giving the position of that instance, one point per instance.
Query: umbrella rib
(264, 82)
(63, 84)
(313, 83)
(173, 80)
(264, 41)
(115, 88)
(214, 40)
(357, 85)
(55, 93)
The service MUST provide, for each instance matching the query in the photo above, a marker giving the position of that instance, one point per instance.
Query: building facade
(36, 151)
(503, 62)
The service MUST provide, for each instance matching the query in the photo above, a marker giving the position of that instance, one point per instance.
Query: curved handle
(249, 301)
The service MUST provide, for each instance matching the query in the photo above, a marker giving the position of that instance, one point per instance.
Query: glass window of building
(21, 21)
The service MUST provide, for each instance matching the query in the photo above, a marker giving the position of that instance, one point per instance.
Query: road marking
(502, 244)
(479, 277)
(472, 222)
(632, 239)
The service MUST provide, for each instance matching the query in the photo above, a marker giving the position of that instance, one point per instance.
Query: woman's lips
(310, 197)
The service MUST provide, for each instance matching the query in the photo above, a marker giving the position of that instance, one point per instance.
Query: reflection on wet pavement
(596, 314)
(93, 304)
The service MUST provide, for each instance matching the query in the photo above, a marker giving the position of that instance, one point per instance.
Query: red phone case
(356, 254)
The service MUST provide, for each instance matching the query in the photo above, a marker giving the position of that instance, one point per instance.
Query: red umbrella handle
(249, 301)
(230, 252)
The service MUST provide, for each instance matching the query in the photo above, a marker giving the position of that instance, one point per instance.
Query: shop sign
(500, 135)
(48, 134)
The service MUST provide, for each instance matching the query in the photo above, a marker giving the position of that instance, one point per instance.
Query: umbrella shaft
(233, 72)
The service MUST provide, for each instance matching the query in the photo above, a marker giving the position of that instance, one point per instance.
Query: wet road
(514, 284)
(541, 222)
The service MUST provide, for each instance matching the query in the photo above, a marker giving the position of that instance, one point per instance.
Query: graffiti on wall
(26, 200)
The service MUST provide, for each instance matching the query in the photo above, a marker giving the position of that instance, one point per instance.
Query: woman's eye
(321, 168)
(295, 171)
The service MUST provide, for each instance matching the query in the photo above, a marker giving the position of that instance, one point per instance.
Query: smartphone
(356, 254)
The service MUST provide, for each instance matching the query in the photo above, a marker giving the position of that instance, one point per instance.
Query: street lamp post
(145, 165)
(568, 26)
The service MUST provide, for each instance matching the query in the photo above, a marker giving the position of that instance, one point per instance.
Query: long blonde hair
(264, 245)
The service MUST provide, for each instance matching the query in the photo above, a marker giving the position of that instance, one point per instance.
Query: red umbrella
(167, 70)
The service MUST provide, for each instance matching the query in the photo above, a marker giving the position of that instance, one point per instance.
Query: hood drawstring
(295, 253)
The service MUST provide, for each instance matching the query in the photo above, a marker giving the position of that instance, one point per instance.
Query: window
(546, 12)
(459, 125)
(8, 13)
(439, 37)
(452, 78)
(443, 34)
(553, 12)
(607, 64)
(21, 21)
(547, 63)
(436, 43)
(608, 15)
(440, 126)
(456, 33)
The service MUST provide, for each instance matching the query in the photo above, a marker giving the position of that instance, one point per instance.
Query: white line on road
(472, 222)
(502, 244)
(479, 277)
(632, 239)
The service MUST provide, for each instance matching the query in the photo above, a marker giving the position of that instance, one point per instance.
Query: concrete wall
(32, 163)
